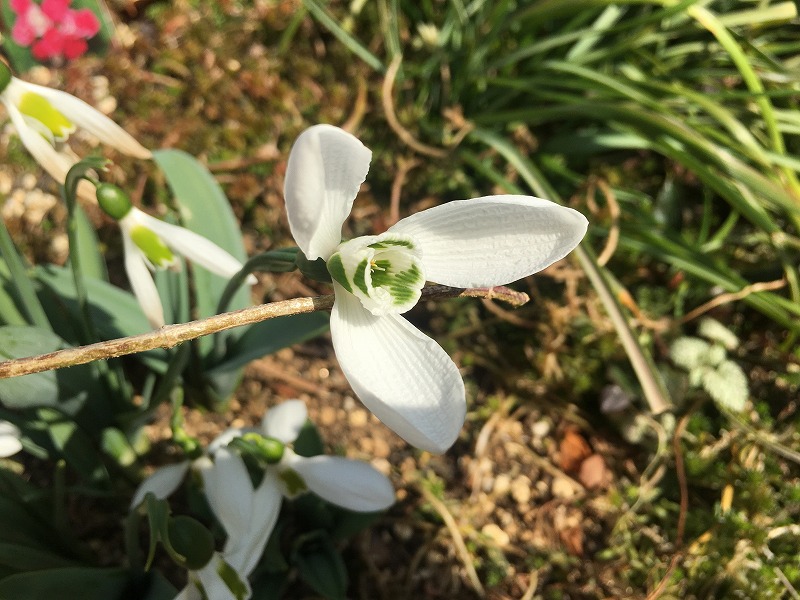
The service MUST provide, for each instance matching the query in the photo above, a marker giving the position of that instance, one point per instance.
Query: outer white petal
(85, 116)
(213, 584)
(492, 240)
(162, 482)
(284, 422)
(42, 150)
(326, 167)
(244, 552)
(141, 280)
(229, 491)
(193, 246)
(9, 439)
(223, 439)
(348, 483)
(400, 374)
(190, 592)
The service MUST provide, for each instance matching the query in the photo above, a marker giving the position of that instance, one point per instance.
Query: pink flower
(52, 28)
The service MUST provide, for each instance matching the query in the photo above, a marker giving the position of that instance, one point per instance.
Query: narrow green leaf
(94, 265)
(319, 12)
(71, 582)
(205, 210)
(74, 444)
(270, 336)
(23, 289)
(24, 558)
(320, 565)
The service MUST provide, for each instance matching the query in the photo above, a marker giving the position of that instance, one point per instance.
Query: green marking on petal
(294, 483)
(38, 107)
(154, 249)
(406, 285)
(232, 579)
(336, 269)
(383, 244)
(360, 276)
(381, 273)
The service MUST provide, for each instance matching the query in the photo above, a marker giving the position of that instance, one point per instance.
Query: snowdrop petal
(492, 240)
(9, 439)
(141, 280)
(162, 483)
(404, 377)
(229, 491)
(223, 439)
(55, 163)
(351, 484)
(284, 422)
(326, 167)
(190, 592)
(85, 116)
(215, 587)
(194, 246)
(243, 553)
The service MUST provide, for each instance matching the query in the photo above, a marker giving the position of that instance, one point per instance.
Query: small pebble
(521, 489)
(496, 534)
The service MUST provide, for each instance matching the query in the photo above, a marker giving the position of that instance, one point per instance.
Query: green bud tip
(191, 540)
(5, 76)
(270, 449)
(114, 202)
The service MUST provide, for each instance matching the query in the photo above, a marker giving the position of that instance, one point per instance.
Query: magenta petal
(55, 9)
(85, 22)
(74, 47)
(22, 33)
(20, 6)
(50, 46)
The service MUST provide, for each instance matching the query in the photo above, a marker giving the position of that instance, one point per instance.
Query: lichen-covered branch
(172, 335)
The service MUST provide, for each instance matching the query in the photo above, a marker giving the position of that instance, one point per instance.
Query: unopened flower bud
(113, 200)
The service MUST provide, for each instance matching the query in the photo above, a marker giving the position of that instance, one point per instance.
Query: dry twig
(172, 335)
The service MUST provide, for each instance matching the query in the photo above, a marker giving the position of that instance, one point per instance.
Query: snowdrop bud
(270, 449)
(5, 76)
(113, 200)
(191, 540)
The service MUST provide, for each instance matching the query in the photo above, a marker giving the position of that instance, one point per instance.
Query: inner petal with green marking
(385, 272)
(44, 117)
(154, 249)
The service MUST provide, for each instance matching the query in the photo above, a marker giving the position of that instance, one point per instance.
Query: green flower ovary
(39, 108)
(384, 272)
(155, 250)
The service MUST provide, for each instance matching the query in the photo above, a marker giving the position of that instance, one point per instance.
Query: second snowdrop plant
(404, 377)
(150, 244)
(249, 513)
(44, 119)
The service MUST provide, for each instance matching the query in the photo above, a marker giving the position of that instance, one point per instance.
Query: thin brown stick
(387, 98)
(680, 472)
(754, 288)
(613, 231)
(172, 335)
(458, 539)
(403, 168)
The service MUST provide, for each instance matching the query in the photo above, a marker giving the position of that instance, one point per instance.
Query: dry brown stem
(172, 335)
